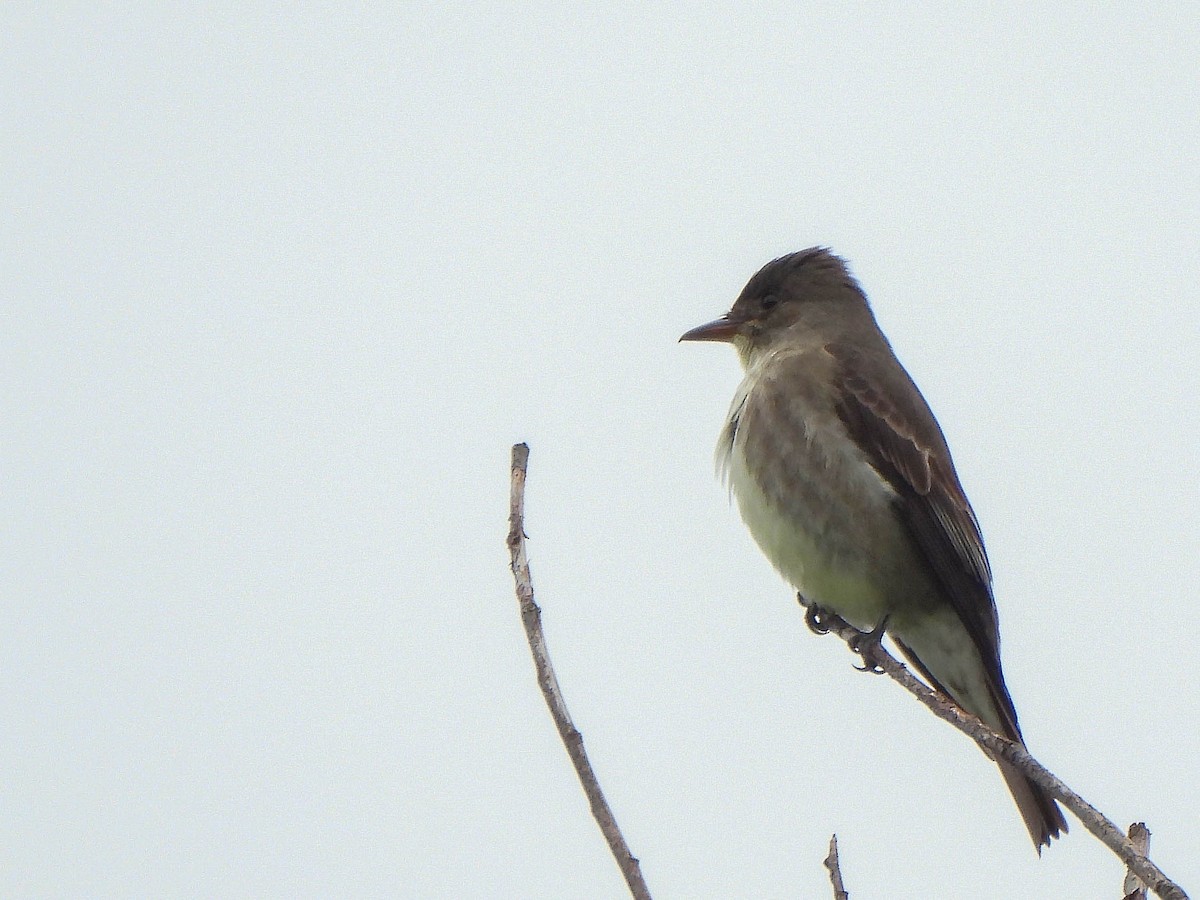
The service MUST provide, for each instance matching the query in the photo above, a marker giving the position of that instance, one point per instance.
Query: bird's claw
(868, 645)
(818, 619)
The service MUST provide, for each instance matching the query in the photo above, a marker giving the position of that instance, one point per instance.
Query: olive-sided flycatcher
(845, 481)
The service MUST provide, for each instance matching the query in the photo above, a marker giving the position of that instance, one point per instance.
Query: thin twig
(998, 747)
(1134, 888)
(531, 617)
(835, 872)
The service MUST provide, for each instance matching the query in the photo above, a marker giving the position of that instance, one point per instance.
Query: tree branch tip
(834, 866)
(531, 619)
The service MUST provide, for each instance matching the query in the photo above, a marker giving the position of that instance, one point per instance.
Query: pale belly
(844, 556)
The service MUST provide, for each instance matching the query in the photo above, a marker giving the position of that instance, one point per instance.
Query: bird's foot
(818, 619)
(868, 646)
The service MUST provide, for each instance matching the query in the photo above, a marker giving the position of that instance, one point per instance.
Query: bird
(845, 481)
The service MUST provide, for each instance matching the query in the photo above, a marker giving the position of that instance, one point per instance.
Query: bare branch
(998, 747)
(1131, 850)
(835, 871)
(531, 617)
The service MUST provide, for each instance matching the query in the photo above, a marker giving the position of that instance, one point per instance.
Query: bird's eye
(770, 301)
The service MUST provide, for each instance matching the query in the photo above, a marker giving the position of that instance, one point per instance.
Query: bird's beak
(722, 329)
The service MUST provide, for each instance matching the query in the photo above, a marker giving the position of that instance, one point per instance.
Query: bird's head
(801, 297)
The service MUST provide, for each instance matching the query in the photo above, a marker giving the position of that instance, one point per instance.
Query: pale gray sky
(282, 286)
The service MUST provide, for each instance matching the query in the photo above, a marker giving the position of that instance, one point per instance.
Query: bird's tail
(982, 693)
(1042, 816)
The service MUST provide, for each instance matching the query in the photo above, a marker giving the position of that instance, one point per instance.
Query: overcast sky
(281, 287)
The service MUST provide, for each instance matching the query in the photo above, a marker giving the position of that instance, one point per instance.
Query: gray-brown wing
(901, 438)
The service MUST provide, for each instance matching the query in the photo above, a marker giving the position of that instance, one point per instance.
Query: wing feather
(902, 440)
